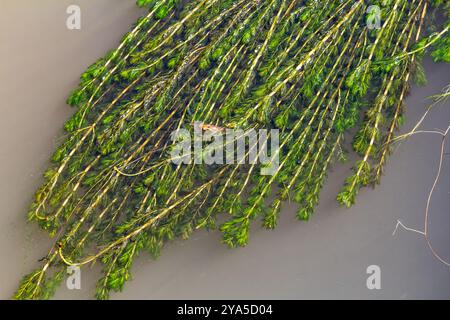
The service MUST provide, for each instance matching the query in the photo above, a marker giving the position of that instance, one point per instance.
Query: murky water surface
(40, 62)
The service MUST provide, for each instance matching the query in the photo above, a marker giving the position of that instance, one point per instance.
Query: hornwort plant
(312, 69)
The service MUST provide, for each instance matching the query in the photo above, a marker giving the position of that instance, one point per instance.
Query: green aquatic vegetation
(312, 69)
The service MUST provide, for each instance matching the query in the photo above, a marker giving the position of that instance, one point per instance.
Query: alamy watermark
(73, 21)
(373, 19)
(211, 145)
(73, 281)
(374, 279)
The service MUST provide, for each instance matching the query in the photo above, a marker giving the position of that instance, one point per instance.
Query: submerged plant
(312, 69)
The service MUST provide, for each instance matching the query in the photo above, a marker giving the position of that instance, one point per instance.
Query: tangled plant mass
(312, 69)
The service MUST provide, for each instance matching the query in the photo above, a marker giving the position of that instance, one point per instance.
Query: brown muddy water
(40, 62)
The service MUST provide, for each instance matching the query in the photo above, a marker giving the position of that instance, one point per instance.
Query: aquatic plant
(312, 69)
